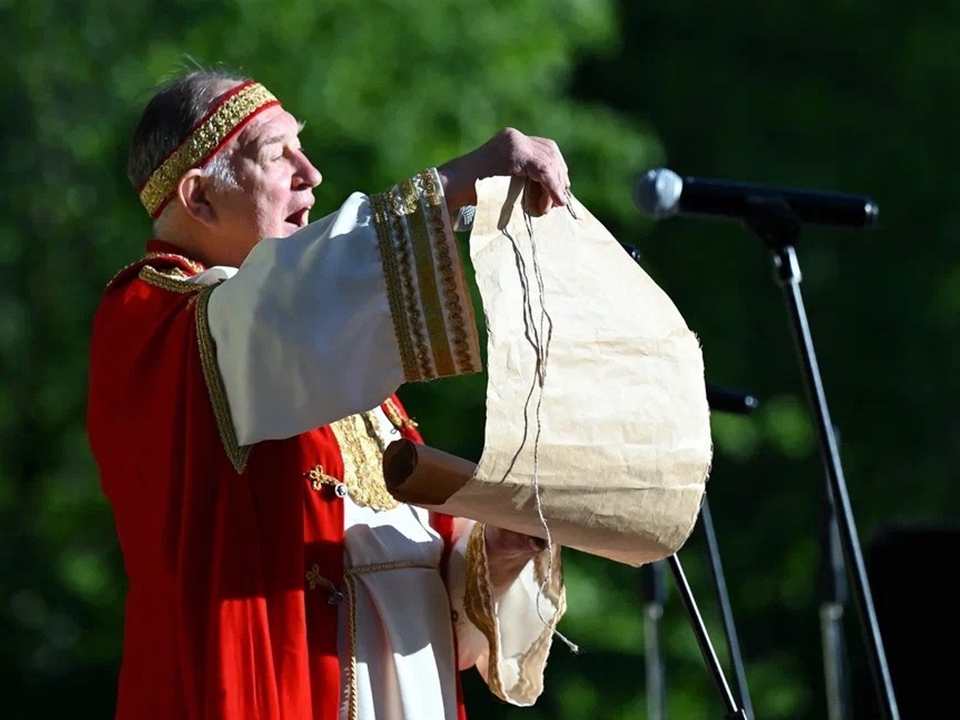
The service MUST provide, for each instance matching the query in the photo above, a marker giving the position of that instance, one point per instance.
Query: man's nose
(307, 175)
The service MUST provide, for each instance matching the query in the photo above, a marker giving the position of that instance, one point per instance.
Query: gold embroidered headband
(224, 120)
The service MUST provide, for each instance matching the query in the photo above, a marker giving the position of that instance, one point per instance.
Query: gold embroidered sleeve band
(427, 290)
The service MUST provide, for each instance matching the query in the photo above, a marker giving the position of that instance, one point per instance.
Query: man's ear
(192, 191)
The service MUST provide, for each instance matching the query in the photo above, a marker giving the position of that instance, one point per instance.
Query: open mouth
(300, 218)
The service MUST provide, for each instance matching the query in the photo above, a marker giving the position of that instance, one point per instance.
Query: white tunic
(404, 647)
(306, 333)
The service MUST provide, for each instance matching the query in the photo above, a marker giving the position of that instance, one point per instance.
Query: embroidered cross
(314, 577)
(319, 478)
(393, 413)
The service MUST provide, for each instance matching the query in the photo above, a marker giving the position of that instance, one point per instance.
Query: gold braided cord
(478, 604)
(315, 580)
(427, 281)
(442, 240)
(391, 275)
(203, 141)
(350, 582)
(218, 395)
(414, 316)
(382, 567)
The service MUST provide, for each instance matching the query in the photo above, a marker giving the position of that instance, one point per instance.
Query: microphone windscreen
(656, 193)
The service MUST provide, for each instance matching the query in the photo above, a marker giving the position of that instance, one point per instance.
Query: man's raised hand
(510, 153)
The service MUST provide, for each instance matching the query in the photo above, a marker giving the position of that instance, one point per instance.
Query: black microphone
(731, 401)
(661, 193)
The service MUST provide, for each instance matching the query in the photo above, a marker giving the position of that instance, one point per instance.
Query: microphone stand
(779, 229)
(654, 592)
(739, 404)
(703, 640)
(834, 591)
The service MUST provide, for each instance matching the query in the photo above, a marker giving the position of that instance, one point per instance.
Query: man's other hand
(507, 554)
(510, 153)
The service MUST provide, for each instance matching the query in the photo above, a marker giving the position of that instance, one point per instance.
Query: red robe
(219, 624)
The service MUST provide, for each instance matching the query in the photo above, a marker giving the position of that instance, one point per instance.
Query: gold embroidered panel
(361, 446)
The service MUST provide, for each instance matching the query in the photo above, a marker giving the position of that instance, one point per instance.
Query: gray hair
(170, 115)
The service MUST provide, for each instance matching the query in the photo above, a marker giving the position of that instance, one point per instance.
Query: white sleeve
(333, 319)
(508, 637)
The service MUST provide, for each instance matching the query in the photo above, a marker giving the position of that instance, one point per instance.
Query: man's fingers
(551, 171)
(540, 160)
(554, 158)
(512, 544)
(546, 205)
(550, 180)
(554, 189)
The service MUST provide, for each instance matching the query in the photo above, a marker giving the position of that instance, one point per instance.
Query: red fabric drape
(218, 626)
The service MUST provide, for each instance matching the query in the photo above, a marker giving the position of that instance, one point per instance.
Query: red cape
(220, 624)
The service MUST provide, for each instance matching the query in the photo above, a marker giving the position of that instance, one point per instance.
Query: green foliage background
(852, 96)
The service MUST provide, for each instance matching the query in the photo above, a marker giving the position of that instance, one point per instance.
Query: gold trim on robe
(478, 604)
(429, 296)
(211, 374)
(170, 279)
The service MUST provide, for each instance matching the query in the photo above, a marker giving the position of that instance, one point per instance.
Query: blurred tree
(849, 96)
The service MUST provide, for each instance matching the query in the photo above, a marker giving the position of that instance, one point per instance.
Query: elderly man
(242, 391)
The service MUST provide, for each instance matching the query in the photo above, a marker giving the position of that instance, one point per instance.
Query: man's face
(276, 182)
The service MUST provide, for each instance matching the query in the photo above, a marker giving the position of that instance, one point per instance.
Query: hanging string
(542, 335)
